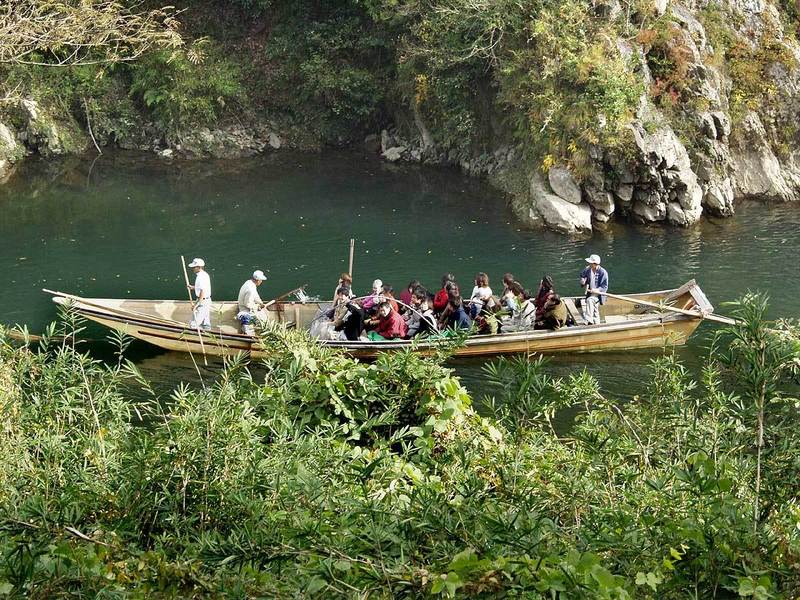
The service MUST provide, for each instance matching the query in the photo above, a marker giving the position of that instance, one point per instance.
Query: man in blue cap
(594, 279)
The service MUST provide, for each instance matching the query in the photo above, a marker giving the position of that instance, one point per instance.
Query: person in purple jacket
(594, 279)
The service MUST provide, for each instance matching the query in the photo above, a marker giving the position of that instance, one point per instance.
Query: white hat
(377, 284)
(259, 275)
(593, 259)
(197, 262)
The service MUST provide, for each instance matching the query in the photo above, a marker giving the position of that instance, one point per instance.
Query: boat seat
(573, 311)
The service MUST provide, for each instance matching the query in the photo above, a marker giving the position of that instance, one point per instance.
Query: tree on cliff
(83, 32)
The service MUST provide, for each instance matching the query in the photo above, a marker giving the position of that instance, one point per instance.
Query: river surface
(116, 226)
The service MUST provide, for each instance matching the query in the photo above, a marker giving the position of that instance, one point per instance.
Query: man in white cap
(594, 279)
(202, 291)
(250, 302)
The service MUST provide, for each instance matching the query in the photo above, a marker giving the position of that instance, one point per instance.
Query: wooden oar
(111, 309)
(691, 313)
(197, 325)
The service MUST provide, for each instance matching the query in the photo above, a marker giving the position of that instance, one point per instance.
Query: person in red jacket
(391, 325)
(442, 297)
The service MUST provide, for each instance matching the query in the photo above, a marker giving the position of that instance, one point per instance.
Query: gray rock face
(758, 170)
(556, 213)
(600, 200)
(650, 212)
(10, 152)
(564, 185)
(394, 154)
(227, 142)
(668, 177)
(718, 199)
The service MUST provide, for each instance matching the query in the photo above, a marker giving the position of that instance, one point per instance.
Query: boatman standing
(594, 279)
(250, 302)
(202, 291)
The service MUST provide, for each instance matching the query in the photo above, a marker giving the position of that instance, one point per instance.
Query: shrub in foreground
(314, 475)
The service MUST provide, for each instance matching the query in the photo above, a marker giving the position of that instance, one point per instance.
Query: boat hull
(651, 331)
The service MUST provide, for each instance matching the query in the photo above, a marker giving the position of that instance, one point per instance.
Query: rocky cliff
(729, 134)
(647, 110)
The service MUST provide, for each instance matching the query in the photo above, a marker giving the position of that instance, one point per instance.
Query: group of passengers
(420, 312)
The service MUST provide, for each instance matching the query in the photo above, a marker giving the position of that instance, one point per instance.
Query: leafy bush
(330, 478)
(329, 68)
(186, 87)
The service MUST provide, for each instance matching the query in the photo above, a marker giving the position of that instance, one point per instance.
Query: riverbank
(337, 479)
(648, 112)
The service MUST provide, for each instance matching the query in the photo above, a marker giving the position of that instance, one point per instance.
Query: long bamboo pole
(350, 262)
(191, 301)
(691, 313)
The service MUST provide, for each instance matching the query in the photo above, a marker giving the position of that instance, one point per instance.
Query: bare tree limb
(83, 32)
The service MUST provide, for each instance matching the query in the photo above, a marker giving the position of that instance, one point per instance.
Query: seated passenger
(543, 294)
(441, 297)
(428, 324)
(555, 314)
(388, 295)
(525, 318)
(325, 328)
(452, 292)
(488, 322)
(510, 300)
(527, 310)
(391, 325)
(345, 281)
(457, 317)
(351, 322)
(375, 297)
(480, 294)
(421, 319)
(406, 294)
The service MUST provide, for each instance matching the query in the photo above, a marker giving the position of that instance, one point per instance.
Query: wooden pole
(691, 313)
(191, 302)
(350, 263)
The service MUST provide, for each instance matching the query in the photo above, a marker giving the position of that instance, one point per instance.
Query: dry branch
(83, 32)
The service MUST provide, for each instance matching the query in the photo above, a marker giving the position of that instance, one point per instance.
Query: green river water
(115, 226)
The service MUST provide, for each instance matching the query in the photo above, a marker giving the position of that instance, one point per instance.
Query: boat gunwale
(474, 340)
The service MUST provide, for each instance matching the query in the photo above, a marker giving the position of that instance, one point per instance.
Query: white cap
(593, 259)
(197, 262)
(259, 275)
(377, 284)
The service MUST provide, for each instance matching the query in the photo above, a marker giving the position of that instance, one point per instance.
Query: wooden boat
(625, 325)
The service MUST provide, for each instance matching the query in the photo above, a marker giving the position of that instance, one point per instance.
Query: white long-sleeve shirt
(249, 300)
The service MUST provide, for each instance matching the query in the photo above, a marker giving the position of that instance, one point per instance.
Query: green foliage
(70, 92)
(328, 67)
(669, 59)
(324, 477)
(186, 88)
(550, 66)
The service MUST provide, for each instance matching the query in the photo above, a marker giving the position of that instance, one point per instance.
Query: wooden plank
(573, 311)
